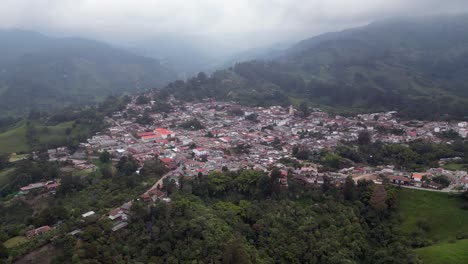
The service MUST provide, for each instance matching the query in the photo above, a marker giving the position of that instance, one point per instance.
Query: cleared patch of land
(442, 212)
(16, 157)
(445, 253)
(445, 219)
(14, 140)
(15, 241)
(455, 166)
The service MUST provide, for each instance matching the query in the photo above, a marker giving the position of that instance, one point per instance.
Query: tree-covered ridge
(245, 218)
(417, 67)
(48, 74)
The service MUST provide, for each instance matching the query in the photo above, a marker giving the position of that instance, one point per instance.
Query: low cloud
(215, 18)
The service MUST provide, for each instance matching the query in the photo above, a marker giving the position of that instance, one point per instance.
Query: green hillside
(438, 218)
(49, 73)
(418, 67)
(14, 140)
(445, 253)
(443, 214)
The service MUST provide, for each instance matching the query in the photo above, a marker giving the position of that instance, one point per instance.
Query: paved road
(446, 190)
(160, 181)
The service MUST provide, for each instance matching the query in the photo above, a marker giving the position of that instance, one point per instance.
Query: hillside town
(197, 138)
(194, 139)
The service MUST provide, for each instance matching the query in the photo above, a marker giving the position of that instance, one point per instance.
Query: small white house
(88, 214)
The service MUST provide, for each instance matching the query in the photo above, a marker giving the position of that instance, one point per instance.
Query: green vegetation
(382, 66)
(14, 140)
(16, 157)
(15, 241)
(445, 253)
(57, 73)
(456, 166)
(5, 176)
(243, 217)
(438, 213)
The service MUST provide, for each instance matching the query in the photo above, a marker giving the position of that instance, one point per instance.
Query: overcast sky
(111, 19)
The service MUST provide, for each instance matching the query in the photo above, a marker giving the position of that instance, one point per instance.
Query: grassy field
(443, 214)
(15, 241)
(445, 253)
(17, 157)
(14, 140)
(4, 179)
(47, 134)
(446, 220)
(455, 166)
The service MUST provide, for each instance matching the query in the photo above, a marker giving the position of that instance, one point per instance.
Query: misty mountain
(46, 73)
(420, 62)
(187, 55)
(418, 66)
(191, 54)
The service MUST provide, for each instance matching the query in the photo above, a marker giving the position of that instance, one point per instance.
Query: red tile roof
(163, 131)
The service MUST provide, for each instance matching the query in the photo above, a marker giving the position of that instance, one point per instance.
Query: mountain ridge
(48, 73)
(417, 66)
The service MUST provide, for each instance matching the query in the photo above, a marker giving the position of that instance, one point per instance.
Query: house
(75, 232)
(150, 138)
(153, 195)
(170, 163)
(320, 180)
(88, 214)
(164, 133)
(33, 186)
(199, 152)
(38, 231)
(418, 177)
(399, 180)
(119, 226)
(116, 214)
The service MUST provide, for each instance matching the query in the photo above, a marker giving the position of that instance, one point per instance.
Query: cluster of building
(233, 137)
(40, 187)
(237, 137)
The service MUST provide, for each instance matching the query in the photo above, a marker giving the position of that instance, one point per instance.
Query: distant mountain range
(418, 66)
(47, 73)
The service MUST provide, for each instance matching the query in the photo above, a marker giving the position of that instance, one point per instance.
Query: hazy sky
(273, 19)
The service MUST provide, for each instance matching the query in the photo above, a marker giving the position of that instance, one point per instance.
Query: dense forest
(247, 218)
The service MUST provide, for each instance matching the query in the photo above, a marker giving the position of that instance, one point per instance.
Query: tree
(127, 165)
(332, 161)
(4, 160)
(304, 110)
(141, 100)
(378, 200)
(349, 189)
(153, 169)
(442, 180)
(3, 251)
(145, 119)
(104, 157)
(217, 183)
(235, 253)
(106, 172)
(364, 138)
(252, 117)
